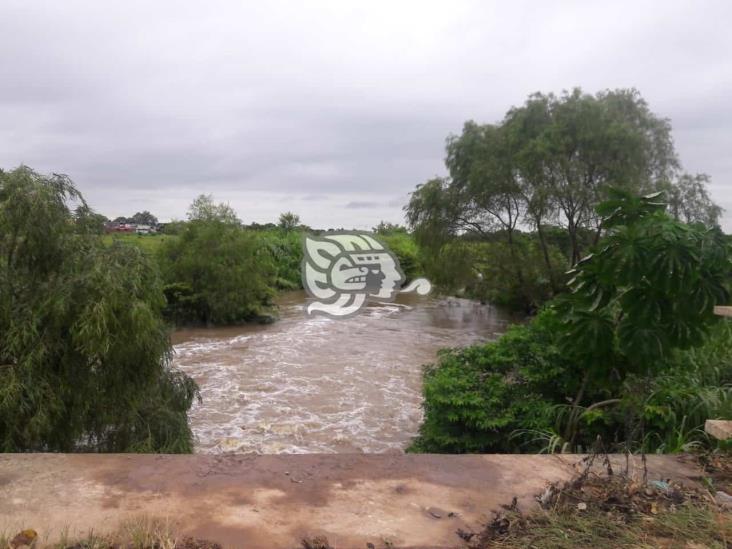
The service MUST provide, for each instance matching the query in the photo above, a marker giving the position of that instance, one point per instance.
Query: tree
(689, 200)
(144, 218)
(571, 149)
(217, 273)
(84, 352)
(555, 158)
(484, 185)
(524, 126)
(550, 162)
(93, 222)
(650, 288)
(481, 200)
(203, 208)
(386, 227)
(289, 221)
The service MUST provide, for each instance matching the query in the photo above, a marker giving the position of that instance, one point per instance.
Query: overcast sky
(334, 110)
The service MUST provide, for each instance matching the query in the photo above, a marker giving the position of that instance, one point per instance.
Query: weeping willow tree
(84, 353)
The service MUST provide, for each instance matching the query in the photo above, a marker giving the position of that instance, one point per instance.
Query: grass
(688, 525)
(140, 533)
(148, 242)
(609, 508)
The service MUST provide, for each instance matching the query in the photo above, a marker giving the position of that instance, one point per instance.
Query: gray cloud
(279, 106)
(361, 205)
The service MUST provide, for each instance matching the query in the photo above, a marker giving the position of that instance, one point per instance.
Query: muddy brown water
(307, 385)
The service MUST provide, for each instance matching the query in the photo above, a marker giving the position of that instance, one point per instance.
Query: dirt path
(271, 501)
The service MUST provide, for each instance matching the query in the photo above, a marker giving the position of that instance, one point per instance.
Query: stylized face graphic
(340, 271)
(374, 272)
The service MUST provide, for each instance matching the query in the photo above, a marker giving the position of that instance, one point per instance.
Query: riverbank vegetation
(612, 507)
(85, 316)
(625, 345)
(84, 350)
(215, 272)
(148, 243)
(518, 207)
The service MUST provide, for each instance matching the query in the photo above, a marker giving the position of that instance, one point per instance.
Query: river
(306, 385)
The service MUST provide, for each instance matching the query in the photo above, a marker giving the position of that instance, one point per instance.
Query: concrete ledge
(721, 429)
(270, 501)
(723, 310)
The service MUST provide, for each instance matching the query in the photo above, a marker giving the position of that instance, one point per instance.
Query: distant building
(139, 228)
(113, 227)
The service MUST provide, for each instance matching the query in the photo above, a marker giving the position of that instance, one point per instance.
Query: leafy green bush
(403, 245)
(285, 249)
(648, 289)
(515, 394)
(477, 397)
(633, 354)
(485, 270)
(695, 385)
(498, 283)
(217, 273)
(84, 351)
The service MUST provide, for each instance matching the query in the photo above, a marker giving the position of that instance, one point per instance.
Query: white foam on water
(305, 385)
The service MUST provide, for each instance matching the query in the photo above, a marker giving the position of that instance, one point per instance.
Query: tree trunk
(545, 252)
(514, 258)
(572, 228)
(598, 233)
(570, 431)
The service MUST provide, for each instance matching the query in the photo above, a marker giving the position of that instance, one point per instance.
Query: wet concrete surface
(273, 501)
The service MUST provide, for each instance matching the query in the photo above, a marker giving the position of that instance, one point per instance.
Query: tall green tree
(689, 200)
(216, 272)
(524, 128)
(84, 352)
(144, 218)
(204, 208)
(549, 163)
(582, 145)
(484, 185)
(289, 221)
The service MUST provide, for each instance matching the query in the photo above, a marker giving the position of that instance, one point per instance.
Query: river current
(306, 385)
